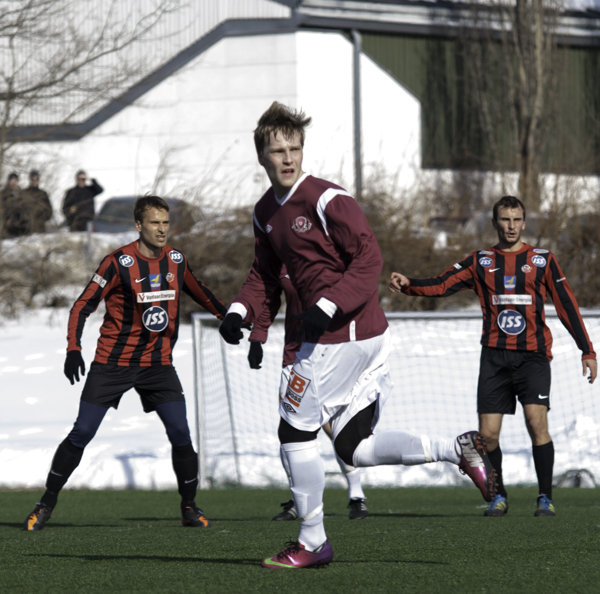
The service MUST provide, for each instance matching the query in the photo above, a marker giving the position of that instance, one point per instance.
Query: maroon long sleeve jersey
(512, 289)
(318, 231)
(265, 319)
(142, 295)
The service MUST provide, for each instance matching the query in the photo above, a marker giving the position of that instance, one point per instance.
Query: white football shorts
(333, 382)
(285, 378)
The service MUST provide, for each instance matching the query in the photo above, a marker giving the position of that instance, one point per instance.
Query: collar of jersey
(287, 196)
(524, 248)
(139, 254)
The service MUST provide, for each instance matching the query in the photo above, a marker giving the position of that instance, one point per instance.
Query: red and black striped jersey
(142, 295)
(512, 288)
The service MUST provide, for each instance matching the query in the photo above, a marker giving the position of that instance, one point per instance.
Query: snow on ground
(434, 393)
(38, 407)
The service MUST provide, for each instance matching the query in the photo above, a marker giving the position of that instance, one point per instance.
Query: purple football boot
(475, 463)
(295, 556)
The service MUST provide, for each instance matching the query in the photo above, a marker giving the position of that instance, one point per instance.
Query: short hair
(279, 118)
(34, 173)
(508, 202)
(13, 175)
(143, 203)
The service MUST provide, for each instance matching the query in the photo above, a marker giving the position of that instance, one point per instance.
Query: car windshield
(121, 210)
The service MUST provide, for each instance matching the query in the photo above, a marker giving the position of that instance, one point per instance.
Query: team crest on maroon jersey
(526, 268)
(301, 224)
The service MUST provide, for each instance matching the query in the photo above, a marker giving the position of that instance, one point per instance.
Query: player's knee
(357, 429)
(82, 433)
(345, 445)
(289, 434)
(179, 435)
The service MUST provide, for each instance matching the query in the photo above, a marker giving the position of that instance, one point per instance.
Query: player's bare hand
(592, 365)
(74, 364)
(399, 282)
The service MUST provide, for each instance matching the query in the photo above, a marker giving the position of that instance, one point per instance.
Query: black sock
(49, 498)
(185, 465)
(495, 457)
(543, 458)
(65, 461)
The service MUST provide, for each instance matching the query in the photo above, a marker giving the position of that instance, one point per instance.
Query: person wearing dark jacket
(37, 204)
(78, 204)
(14, 220)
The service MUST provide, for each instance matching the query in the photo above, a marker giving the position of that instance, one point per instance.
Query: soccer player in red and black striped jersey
(512, 280)
(141, 284)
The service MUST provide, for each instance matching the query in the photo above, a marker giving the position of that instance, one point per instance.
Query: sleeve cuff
(238, 308)
(329, 307)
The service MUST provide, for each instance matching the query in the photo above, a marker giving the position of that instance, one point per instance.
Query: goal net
(434, 366)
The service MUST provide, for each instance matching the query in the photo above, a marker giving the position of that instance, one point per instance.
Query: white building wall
(193, 132)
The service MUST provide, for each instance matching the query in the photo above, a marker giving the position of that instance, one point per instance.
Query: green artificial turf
(416, 540)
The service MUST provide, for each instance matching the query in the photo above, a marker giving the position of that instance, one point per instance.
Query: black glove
(255, 354)
(73, 364)
(314, 323)
(231, 328)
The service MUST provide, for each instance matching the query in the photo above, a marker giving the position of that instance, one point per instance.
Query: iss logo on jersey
(511, 322)
(510, 282)
(539, 261)
(485, 262)
(126, 261)
(155, 281)
(526, 268)
(301, 224)
(155, 319)
(177, 257)
(296, 389)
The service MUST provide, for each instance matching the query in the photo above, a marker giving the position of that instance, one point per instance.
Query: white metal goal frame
(434, 365)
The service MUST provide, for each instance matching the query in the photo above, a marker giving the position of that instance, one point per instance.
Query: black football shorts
(106, 383)
(506, 375)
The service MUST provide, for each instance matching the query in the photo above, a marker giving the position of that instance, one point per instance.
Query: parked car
(116, 215)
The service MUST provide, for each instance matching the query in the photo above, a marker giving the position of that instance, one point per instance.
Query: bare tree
(62, 60)
(514, 78)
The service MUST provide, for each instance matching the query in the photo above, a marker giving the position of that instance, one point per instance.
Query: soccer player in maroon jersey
(258, 336)
(340, 375)
(512, 280)
(141, 284)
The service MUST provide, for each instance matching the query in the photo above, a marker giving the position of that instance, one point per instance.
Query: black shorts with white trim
(106, 384)
(506, 375)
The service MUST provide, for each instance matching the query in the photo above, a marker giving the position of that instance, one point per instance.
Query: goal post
(434, 366)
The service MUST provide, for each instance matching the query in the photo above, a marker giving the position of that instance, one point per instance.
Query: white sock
(398, 447)
(307, 482)
(352, 475)
(355, 490)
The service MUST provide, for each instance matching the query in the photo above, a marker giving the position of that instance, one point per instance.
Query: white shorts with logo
(285, 378)
(334, 382)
